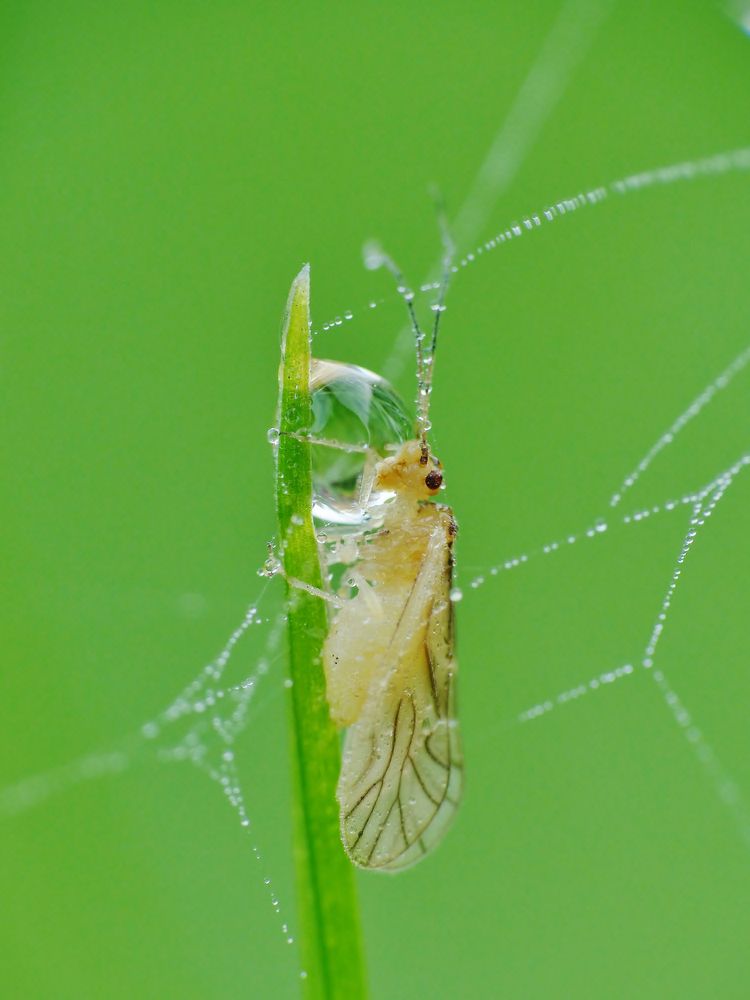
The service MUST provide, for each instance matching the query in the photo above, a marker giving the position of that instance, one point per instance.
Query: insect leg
(337, 602)
(274, 567)
(368, 477)
(362, 449)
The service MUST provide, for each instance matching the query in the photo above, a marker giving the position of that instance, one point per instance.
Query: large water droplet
(355, 407)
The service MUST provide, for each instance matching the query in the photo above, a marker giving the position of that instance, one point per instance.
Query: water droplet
(355, 407)
(373, 256)
(270, 567)
(456, 594)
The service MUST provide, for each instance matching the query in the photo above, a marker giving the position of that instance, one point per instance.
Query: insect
(389, 657)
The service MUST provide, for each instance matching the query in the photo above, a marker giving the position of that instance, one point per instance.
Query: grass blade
(328, 911)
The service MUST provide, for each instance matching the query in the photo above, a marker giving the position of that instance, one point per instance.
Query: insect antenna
(375, 257)
(438, 307)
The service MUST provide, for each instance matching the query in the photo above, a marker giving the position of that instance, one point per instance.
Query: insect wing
(402, 775)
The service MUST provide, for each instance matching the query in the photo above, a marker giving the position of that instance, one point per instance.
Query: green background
(164, 171)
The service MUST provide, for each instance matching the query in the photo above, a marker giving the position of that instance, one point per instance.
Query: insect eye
(433, 480)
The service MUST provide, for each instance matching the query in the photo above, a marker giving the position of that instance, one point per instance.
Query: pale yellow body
(390, 675)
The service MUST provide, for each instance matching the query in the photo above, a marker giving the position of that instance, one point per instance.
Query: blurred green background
(164, 171)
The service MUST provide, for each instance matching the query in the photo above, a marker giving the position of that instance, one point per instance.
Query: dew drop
(351, 406)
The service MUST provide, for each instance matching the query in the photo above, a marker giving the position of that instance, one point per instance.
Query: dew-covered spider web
(202, 725)
(204, 721)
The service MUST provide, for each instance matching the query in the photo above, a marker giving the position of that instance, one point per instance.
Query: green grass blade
(328, 911)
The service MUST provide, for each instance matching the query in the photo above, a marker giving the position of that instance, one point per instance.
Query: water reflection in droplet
(351, 407)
